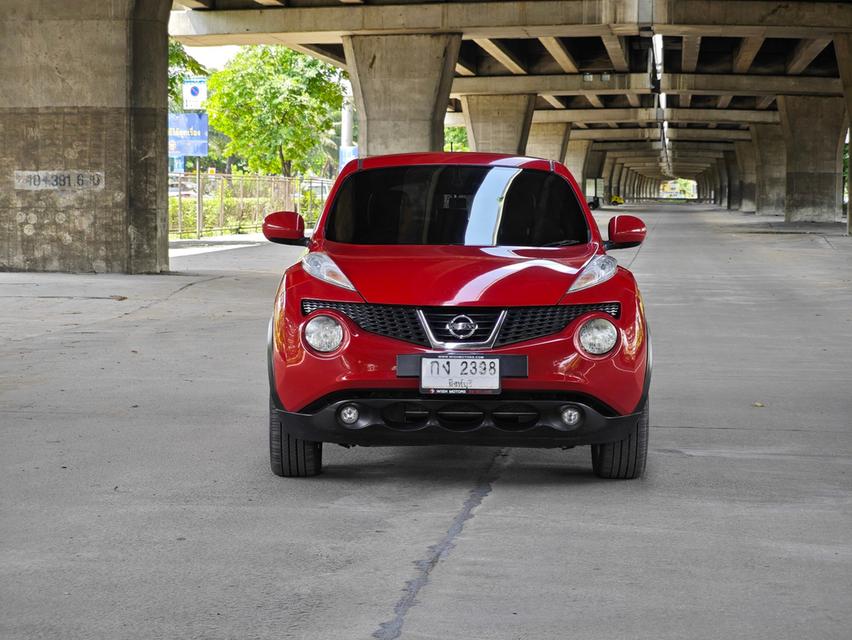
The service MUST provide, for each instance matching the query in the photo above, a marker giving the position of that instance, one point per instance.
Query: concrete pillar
(497, 123)
(843, 52)
(734, 183)
(606, 174)
(628, 184)
(617, 170)
(401, 85)
(622, 182)
(594, 164)
(747, 166)
(83, 136)
(722, 172)
(548, 140)
(814, 132)
(576, 160)
(771, 166)
(633, 188)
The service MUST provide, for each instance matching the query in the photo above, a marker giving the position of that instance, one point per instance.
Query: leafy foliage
(181, 65)
(455, 139)
(278, 108)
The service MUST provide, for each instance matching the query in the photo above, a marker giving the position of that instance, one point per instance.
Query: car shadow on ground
(448, 465)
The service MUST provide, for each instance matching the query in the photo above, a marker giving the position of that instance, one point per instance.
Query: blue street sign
(188, 134)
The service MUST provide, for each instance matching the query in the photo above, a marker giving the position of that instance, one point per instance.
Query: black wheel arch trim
(273, 393)
(649, 365)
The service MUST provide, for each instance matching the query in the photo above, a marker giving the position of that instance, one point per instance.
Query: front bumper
(394, 420)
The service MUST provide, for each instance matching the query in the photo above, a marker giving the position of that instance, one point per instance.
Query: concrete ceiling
(590, 62)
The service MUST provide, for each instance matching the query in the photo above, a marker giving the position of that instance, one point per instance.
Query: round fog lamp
(349, 414)
(323, 333)
(598, 336)
(571, 416)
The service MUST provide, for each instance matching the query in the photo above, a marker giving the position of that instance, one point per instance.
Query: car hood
(450, 275)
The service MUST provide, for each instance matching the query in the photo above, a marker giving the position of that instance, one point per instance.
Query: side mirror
(625, 232)
(285, 227)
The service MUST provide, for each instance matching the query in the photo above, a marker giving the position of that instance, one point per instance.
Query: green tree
(455, 139)
(181, 65)
(277, 107)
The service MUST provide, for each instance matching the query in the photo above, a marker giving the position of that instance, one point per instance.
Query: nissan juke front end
(458, 298)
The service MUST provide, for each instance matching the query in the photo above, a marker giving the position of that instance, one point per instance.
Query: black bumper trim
(372, 429)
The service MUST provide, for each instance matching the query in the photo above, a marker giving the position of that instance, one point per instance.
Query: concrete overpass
(748, 97)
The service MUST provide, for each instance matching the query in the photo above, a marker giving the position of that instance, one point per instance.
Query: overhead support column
(715, 183)
(814, 132)
(606, 174)
(722, 172)
(771, 167)
(622, 181)
(592, 170)
(634, 186)
(734, 182)
(401, 85)
(615, 181)
(843, 52)
(498, 123)
(629, 184)
(747, 165)
(83, 136)
(577, 160)
(548, 140)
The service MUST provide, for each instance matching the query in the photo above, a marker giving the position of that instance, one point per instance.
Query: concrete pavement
(136, 500)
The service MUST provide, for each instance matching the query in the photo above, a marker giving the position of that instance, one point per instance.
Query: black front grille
(526, 323)
(402, 323)
(439, 319)
(386, 320)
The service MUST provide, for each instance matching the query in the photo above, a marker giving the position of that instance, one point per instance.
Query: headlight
(598, 336)
(321, 267)
(598, 269)
(323, 333)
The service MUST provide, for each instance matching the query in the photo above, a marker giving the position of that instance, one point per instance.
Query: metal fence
(203, 204)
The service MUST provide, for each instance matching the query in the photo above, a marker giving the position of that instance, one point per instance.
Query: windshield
(457, 205)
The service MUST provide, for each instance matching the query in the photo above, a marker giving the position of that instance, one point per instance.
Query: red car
(458, 298)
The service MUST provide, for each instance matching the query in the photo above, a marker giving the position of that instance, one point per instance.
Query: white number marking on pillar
(71, 180)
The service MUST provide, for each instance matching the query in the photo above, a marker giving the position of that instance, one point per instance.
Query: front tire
(289, 456)
(624, 459)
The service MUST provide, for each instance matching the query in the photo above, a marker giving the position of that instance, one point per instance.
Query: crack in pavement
(392, 629)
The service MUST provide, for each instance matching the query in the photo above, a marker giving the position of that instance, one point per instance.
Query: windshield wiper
(561, 243)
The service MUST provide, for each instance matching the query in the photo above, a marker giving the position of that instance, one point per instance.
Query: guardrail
(202, 204)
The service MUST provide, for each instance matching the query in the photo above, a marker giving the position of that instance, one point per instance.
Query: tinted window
(462, 205)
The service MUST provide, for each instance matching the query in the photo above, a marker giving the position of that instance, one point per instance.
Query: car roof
(453, 157)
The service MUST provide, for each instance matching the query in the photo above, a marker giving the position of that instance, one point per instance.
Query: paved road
(137, 502)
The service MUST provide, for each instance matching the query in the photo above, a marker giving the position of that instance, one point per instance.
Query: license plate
(460, 374)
